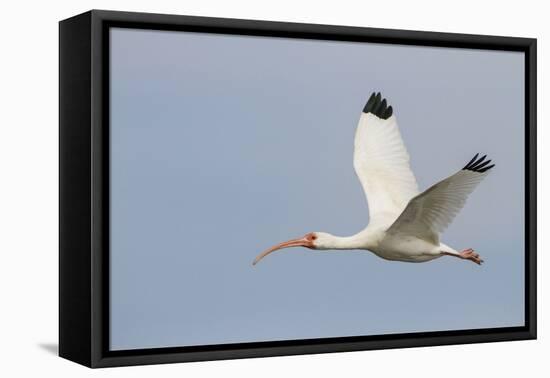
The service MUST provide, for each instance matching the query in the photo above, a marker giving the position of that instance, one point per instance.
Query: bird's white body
(405, 223)
(406, 248)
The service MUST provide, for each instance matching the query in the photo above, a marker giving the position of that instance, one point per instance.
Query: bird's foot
(470, 254)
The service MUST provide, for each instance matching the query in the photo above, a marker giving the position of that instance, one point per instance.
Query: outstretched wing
(381, 162)
(429, 213)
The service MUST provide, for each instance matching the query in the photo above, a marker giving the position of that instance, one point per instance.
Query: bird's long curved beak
(301, 242)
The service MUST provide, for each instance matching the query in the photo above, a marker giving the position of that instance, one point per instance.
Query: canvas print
(224, 146)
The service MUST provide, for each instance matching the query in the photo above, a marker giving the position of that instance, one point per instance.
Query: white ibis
(405, 224)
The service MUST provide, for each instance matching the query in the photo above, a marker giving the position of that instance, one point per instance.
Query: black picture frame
(84, 199)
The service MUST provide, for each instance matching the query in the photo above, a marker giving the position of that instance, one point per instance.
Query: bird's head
(311, 240)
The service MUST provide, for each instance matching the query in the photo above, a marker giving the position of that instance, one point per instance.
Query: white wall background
(29, 185)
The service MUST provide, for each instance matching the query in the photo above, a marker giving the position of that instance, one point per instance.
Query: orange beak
(301, 242)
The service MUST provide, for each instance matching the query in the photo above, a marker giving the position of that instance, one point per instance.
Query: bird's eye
(313, 237)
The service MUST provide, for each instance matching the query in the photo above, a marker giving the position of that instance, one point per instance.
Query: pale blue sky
(224, 145)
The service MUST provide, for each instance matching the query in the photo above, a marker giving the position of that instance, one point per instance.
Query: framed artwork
(234, 188)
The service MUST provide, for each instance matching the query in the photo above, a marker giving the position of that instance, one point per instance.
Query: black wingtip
(478, 165)
(378, 106)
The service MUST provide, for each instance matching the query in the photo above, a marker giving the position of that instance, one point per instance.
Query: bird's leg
(467, 254)
(470, 254)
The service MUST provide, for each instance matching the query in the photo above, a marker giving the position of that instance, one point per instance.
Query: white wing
(381, 162)
(429, 213)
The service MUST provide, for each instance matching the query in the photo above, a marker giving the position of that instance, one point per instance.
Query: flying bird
(405, 224)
